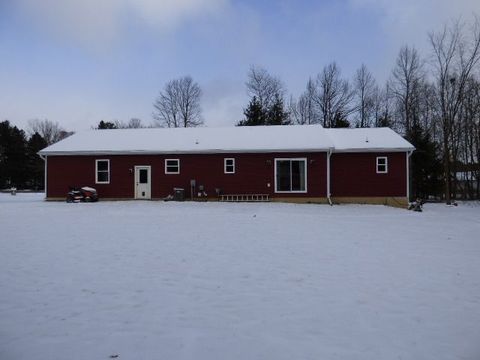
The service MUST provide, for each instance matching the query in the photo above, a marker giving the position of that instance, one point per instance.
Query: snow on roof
(226, 139)
(191, 140)
(364, 139)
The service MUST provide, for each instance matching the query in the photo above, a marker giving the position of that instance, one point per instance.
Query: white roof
(228, 139)
(362, 139)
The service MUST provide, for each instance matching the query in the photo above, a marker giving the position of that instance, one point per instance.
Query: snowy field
(154, 280)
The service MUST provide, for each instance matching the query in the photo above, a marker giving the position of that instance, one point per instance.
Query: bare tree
(428, 113)
(382, 106)
(294, 111)
(454, 58)
(364, 96)
(469, 135)
(133, 123)
(167, 113)
(178, 105)
(189, 102)
(265, 87)
(304, 111)
(333, 97)
(407, 76)
(50, 131)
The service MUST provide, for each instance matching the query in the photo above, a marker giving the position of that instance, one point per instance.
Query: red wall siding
(354, 174)
(252, 174)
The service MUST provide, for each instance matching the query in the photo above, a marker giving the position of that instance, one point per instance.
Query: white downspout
(408, 154)
(329, 199)
(44, 158)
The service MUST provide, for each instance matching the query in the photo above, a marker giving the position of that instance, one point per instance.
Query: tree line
(433, 101)
(20, 165)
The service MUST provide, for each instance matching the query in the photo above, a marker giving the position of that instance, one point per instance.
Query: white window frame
(225, 165)
(96, 171)
(291, 191)
(172, 172)
(385, 158)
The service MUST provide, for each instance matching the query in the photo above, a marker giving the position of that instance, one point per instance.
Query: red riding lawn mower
(83, 194)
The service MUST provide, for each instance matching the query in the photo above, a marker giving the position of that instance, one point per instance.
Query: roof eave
(383, 149)
(180, 152)
(221, 151)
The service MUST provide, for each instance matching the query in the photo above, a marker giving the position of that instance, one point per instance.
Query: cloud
(95, 23)
(411, 20)
(222, 102)
(408, 22)
(168, 14)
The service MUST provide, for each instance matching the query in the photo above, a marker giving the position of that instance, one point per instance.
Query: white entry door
(143, 184)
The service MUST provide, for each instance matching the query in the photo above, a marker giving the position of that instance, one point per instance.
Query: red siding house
(304, 163)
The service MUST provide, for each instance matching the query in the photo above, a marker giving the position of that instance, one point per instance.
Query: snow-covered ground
(155, 280)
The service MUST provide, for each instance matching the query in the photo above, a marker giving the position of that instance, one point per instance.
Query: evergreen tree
(13, 157)
(106, 125)
(340, 121)
(276, 114)
(426, 167)
(254, 114)
(4, 138)
(36, 166)
(385, 121)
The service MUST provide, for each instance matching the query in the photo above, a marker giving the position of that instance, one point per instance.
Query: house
(302, 163)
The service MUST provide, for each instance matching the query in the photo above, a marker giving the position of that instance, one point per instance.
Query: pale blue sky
(79, 62)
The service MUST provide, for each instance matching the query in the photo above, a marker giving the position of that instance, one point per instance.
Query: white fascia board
(185, 152)
(373, 150)
(222, 151)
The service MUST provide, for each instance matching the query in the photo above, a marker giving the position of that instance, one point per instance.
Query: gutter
(219, 151)
(409, 153)
(329, 198)
(44, 158)
(375, 150)
(179, 152)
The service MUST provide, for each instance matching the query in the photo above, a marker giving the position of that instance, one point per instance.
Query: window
(172, 166)
(229, 166)
(290, 175)
(102, 171)
(143, 176)
(382, 165)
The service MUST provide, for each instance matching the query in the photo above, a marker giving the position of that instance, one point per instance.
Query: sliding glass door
(290, 175)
